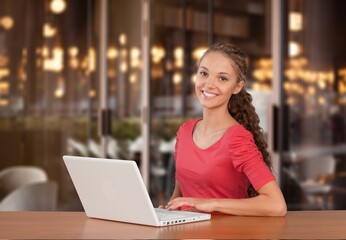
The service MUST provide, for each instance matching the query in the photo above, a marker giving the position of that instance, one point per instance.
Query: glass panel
(181, 32)
(315, 94)
(124, 79)
(48, 89)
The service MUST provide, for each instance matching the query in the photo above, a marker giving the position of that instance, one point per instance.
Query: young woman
(222, 164)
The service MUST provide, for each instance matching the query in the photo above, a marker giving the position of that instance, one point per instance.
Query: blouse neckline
(215, 144)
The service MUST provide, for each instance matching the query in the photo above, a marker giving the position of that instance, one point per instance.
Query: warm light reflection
(55, 63)
(322, 84)
(291, 74)
(311, 90)
(135, 60)
(57, 6)
(112, 53)
(73, 51)
(342, 87)
(295, 21)
(321, 101)
(133, 78)
(123, 67)
(4, 102)
(122, 39)
(342, 83)
(265, 63)
(88, 64)
(123, 53)
(4, 72)
(256, 86)
(60, 89)
(198, 52)
(92, 93)
(49, 30)
(294, 49)
(39, 62)
(263, 74)
(178, 57)
(157, 54)
(4, 87)
(45, 51)
(304, 82)
(91, 61)
(193, 78)
(291, 100)
(22, 74)
(177, 78)
(6, 22)
(74, 63)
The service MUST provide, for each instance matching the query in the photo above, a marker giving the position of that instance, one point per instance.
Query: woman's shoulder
(238, 128)
(189, 124)
(186, 127)
(239, 133)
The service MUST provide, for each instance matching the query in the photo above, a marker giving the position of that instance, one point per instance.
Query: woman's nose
(210, 82)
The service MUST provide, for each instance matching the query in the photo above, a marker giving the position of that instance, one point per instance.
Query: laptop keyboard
(166, 215)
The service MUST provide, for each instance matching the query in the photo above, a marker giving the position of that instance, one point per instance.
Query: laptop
(113, 189)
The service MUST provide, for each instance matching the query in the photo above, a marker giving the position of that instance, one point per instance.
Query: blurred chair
(76, 147)
(293, 192)
(14, 177)
(338, 191)
(315, 178)
(33, 197)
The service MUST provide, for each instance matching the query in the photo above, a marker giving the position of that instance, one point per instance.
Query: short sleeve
(247, 158)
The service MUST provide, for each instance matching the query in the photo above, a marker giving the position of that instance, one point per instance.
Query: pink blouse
(223, 170)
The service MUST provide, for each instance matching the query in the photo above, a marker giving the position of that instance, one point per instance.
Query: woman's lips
(208, 94)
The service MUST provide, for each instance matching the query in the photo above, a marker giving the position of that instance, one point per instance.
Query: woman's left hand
(192, 204)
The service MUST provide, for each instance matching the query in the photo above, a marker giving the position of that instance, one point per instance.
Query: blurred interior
(116, 78)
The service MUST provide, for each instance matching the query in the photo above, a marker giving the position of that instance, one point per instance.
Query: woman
(222, 164)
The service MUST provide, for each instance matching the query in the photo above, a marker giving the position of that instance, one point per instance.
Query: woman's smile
(208, 95)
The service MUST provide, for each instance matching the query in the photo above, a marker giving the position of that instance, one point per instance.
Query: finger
(178, 204)
(189, 209)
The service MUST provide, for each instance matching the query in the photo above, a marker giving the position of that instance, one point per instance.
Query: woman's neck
(213, 120)
(211, 128)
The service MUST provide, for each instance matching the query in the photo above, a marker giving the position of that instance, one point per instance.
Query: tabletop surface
(76, 225)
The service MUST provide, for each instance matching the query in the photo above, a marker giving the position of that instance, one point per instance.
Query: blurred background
(116, 78)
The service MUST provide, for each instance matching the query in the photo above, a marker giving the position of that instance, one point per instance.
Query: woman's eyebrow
(203, 67)
(224, 73)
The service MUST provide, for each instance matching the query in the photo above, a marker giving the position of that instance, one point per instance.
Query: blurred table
(76, 225)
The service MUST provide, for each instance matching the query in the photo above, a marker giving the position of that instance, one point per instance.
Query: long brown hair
(240, 105)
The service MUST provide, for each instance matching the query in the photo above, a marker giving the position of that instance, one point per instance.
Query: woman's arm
(176, 193)
(269, 202)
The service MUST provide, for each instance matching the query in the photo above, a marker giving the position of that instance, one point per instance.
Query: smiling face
(216, 80)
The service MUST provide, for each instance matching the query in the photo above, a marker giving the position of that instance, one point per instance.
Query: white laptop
(114, 190)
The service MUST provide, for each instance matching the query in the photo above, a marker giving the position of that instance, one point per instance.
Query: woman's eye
(223, 79)
(203, 74)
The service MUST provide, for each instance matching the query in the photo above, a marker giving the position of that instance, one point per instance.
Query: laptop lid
(111, 189)
(114, 190)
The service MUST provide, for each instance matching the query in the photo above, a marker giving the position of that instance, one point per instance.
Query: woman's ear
(238, 87)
